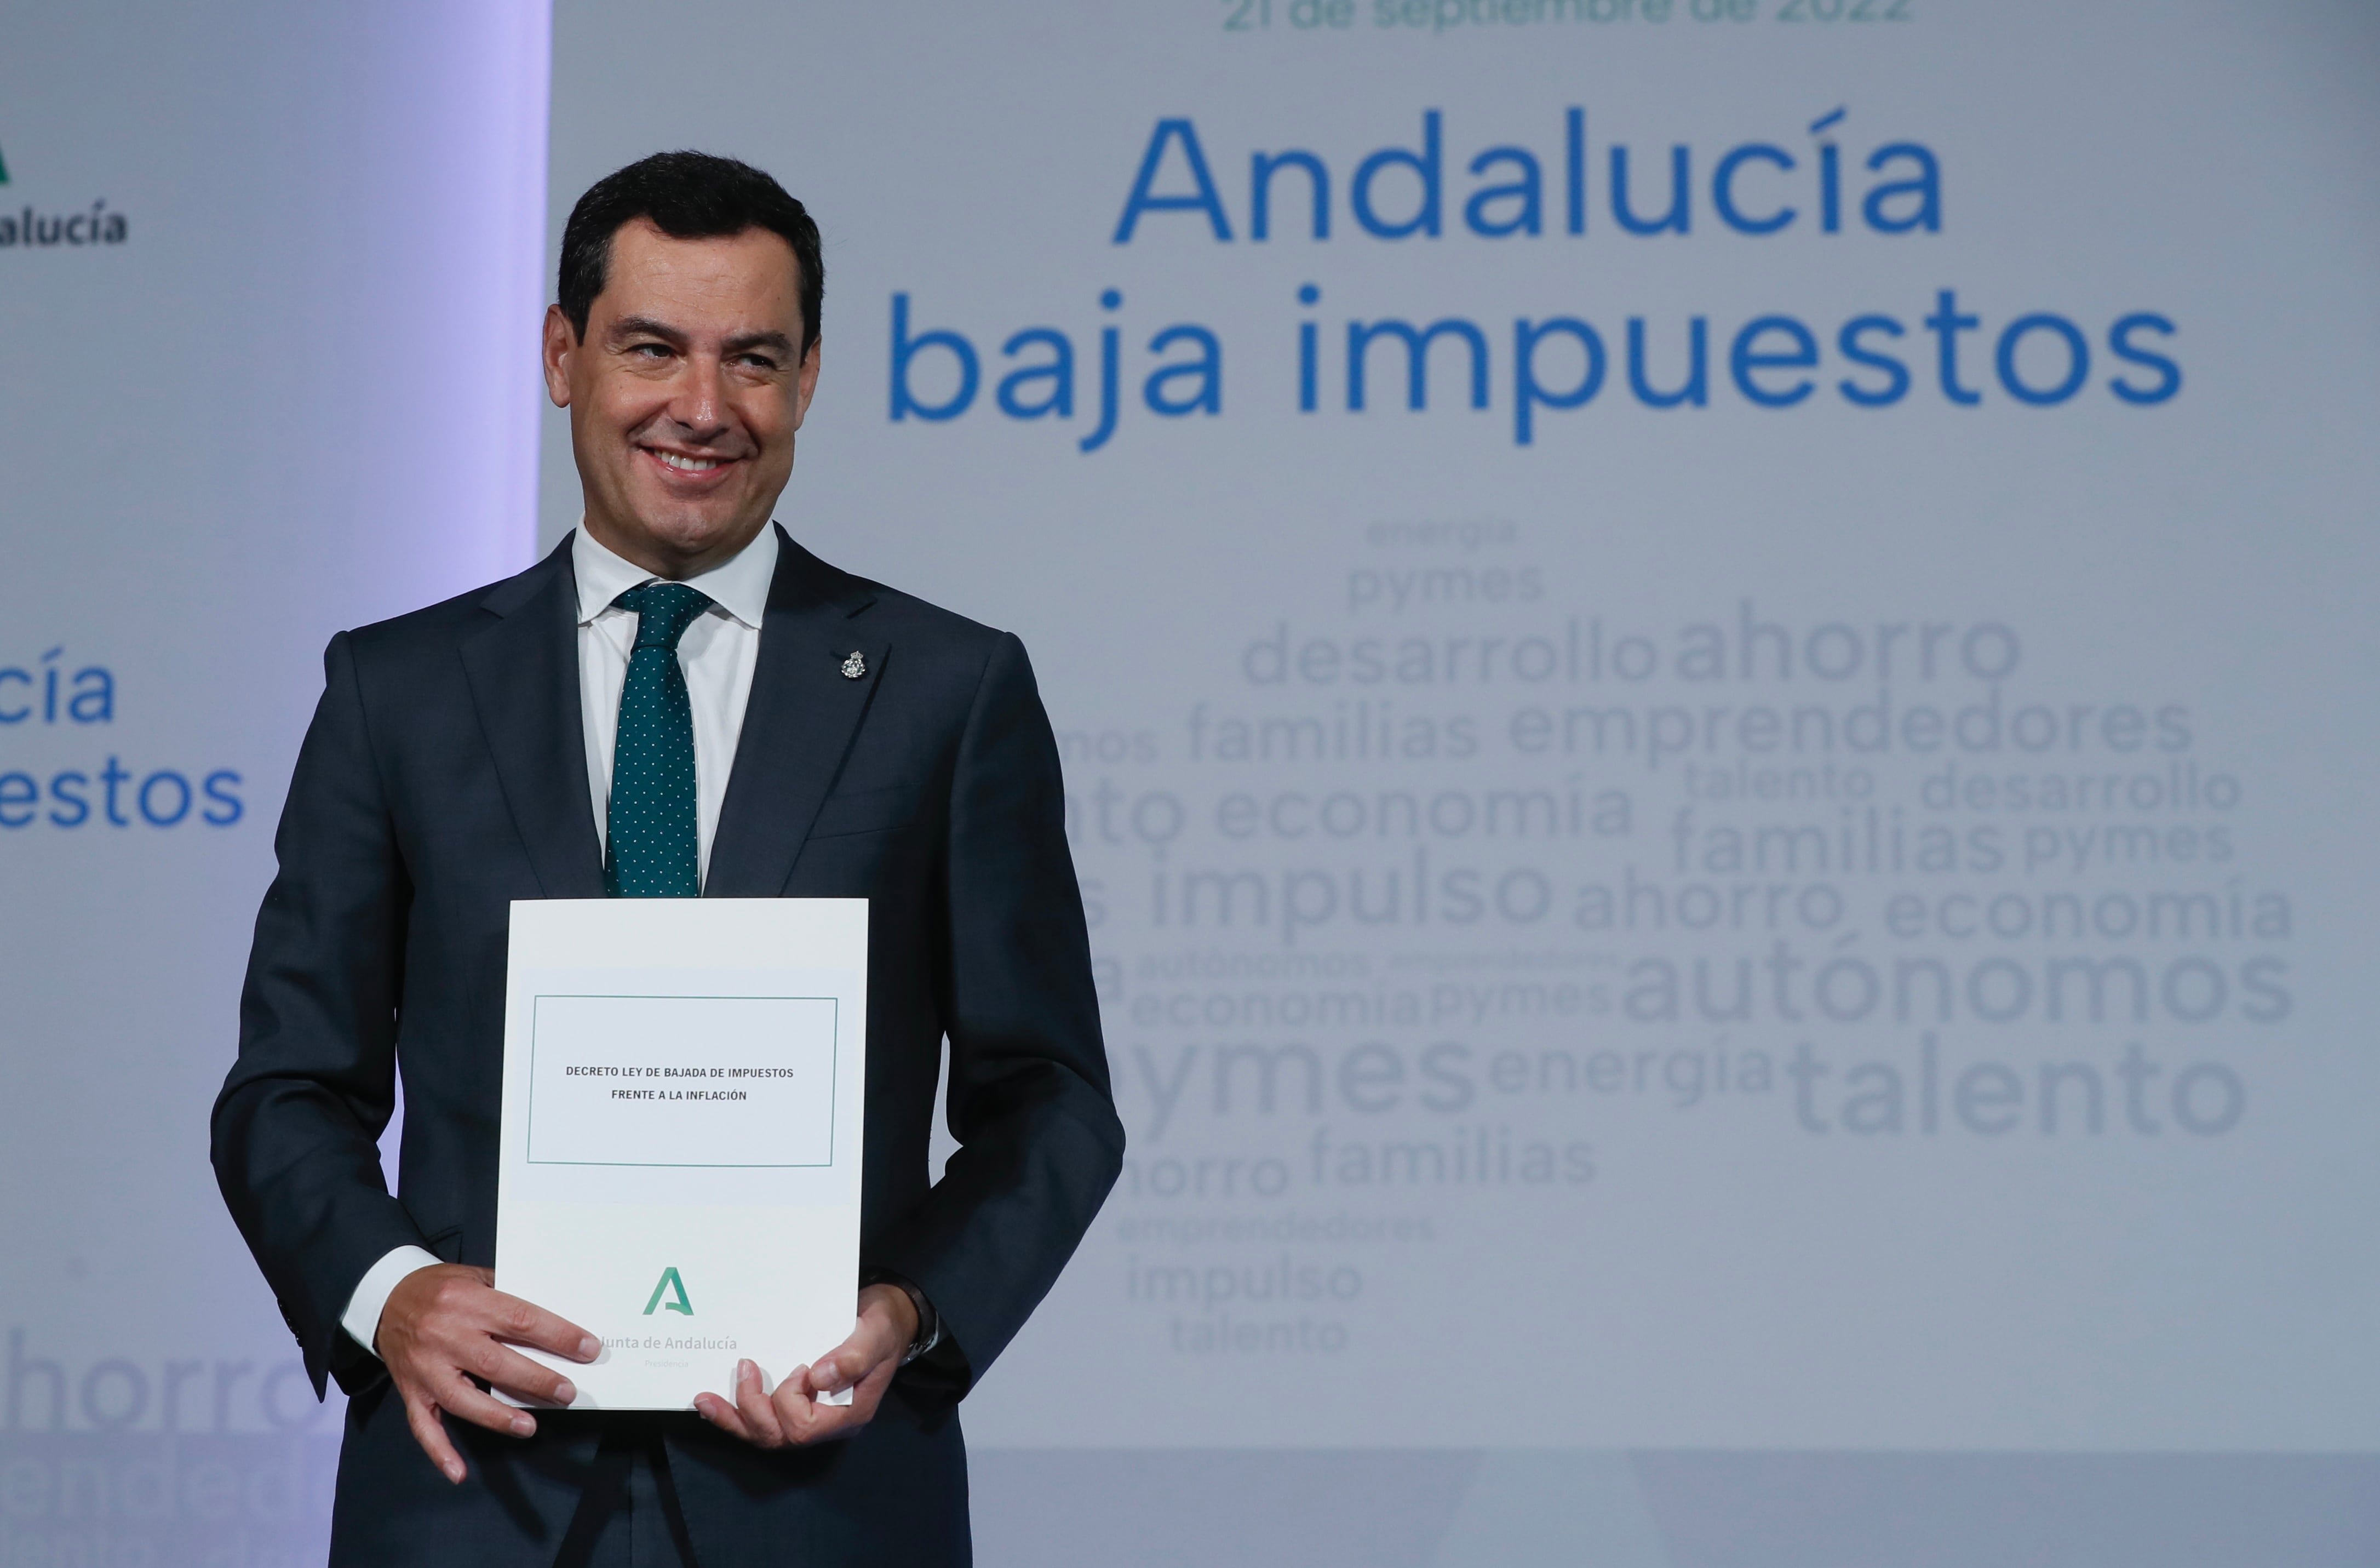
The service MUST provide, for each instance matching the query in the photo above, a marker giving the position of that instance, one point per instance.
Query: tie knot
(664, 612)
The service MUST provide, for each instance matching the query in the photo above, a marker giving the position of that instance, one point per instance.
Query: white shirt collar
(739, 585)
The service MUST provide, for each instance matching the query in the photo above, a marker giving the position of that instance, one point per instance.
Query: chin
(680, 518)
(692, 535)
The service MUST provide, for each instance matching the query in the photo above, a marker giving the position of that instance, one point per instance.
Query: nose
(698, 407)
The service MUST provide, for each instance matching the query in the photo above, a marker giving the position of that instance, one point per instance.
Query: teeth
(690, 465)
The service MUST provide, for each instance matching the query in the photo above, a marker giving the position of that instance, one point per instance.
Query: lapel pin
(855, 666)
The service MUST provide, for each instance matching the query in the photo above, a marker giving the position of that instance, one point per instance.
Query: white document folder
(684, 1086)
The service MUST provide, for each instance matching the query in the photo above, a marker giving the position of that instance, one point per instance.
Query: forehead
(727, 281)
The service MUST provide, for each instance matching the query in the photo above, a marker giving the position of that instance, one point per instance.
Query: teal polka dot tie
(651, 850)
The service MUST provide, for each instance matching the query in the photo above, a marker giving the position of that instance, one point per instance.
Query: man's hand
(445, 1326)
(864, 1362)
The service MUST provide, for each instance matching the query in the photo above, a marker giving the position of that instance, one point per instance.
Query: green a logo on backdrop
(4, 169)
(675, 1288)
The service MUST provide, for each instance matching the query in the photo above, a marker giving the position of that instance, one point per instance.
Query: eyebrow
(645, 326)
(775, 340)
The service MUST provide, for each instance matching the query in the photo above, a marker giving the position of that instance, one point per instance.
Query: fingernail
(523, 1426)
(743, 1370)
(453, 1471)
(590, 1348)
(563, 1394)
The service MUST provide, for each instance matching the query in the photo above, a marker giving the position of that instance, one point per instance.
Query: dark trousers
(629, 1516)
(630, 1490)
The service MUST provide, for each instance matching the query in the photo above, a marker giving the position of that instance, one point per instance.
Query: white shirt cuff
(361, 1320)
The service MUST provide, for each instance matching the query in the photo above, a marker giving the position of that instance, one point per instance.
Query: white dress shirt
(717, 654)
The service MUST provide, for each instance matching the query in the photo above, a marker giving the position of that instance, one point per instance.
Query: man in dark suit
(679, 700)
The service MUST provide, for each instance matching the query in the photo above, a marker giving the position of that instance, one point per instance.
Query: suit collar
(523, 669)
(804, 710)
(809, 698)
(738, 586)
(803, 582)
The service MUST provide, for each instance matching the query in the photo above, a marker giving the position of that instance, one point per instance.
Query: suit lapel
(524, 676)
(803, 712)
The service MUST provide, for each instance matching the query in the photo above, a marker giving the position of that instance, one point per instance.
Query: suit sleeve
(296, 1128)
(1029, 1099)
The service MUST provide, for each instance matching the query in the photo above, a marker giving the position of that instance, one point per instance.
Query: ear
(806, 383)
(561, 342)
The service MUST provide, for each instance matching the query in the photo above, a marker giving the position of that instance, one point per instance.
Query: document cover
(683, 1094)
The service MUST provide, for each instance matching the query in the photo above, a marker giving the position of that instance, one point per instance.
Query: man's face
(685, 394)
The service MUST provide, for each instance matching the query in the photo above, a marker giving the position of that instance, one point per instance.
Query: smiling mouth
(679, 463)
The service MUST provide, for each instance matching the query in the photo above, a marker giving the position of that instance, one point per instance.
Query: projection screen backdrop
(1713, 662)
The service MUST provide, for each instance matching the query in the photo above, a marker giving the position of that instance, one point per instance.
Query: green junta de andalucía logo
(670, 1286)
(4, 168)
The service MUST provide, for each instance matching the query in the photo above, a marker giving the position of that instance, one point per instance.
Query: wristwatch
(929, 1322)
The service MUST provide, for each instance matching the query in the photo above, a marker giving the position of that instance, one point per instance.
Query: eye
(649, 350)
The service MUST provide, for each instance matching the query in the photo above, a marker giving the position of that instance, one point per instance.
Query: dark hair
(687, 196)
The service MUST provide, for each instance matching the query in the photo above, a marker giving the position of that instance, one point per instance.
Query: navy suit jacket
(444, 776)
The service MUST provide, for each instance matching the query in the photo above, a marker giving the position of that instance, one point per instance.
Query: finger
(869, 1392)
(829, 1421)
(826, 1421)
(871, 1388)
(723, 1416)
(422, 1415)
(846, 1366)
(462, 1397)
(760, 1412)
(867, 1395)
(523, 1322)
(517, 1374)
(792, 1404)
(851, 1362)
